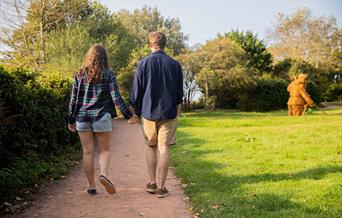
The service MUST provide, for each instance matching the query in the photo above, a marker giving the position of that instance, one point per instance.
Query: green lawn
(261, 164)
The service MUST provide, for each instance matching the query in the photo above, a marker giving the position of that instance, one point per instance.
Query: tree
(258, 57)
(66, 48)
(28, 22)
(125, 75)
(54, 44)
(190, 66)
(281, 69)
(141, 22)
(66, 51)
(223, 71)
(315, 40)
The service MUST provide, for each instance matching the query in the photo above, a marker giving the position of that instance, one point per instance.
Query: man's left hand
(134, 119)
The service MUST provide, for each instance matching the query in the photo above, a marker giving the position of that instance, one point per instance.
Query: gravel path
(67, 197)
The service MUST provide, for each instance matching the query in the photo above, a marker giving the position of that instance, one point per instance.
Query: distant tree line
(238, 70)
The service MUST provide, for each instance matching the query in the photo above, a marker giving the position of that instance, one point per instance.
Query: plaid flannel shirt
(89, 102)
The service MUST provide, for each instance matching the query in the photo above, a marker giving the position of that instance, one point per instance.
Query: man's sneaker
(151, 188)
(162, 192)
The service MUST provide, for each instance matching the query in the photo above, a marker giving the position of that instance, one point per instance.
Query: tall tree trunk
(188, 98)
(42, 40)
(316, 62)
(206, 94)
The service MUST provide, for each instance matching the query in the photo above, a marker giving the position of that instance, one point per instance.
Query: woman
(91, 109)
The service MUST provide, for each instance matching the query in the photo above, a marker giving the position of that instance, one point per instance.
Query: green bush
(334, 92)
(263, 94)
(268, 94)
(315, 92)
(39, 112)
(33, 124)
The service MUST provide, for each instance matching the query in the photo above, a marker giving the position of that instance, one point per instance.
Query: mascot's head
(303, 77)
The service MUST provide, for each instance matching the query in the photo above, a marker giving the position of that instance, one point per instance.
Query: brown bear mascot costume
(299, 98)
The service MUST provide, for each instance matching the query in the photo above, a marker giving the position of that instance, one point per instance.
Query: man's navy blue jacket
(157, 87)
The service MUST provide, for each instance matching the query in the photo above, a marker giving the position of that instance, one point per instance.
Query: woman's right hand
(72, 127)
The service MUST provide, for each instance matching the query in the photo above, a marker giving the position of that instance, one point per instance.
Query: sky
(202, 20)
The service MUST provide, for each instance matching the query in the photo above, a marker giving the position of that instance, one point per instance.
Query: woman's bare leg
(87, 141)
(103, 139)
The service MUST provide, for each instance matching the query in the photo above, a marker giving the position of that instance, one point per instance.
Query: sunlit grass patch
(239, 164)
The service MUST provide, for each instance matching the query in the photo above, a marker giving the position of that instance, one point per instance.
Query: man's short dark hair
(157, 40)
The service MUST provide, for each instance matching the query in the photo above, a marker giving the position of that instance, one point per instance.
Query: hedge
(264, 95)
(267, 95)
(334, 92)
(33, 121)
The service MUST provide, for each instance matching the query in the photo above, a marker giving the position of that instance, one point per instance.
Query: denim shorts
(104, 124)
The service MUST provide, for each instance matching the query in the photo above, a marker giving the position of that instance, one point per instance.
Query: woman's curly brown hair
(96, 60)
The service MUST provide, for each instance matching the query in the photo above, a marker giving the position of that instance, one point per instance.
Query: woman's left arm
(117, 98)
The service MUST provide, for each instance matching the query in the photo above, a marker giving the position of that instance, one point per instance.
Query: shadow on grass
(241, 115)
(314, 173)
(184, 138)
(227, 191)
(235, 114)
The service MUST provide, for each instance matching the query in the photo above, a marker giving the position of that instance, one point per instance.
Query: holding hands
(134, 119)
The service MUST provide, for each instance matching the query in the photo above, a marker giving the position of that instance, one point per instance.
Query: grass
(261, 164)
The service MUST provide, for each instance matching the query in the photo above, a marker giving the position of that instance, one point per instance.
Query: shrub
(268, 94)
(334, 92)
(39, 112)
(315, 92)
(33, 129)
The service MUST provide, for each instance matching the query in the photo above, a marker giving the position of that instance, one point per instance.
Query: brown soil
(68, 197)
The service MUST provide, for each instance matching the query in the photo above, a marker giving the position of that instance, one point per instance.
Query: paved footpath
(67, 197)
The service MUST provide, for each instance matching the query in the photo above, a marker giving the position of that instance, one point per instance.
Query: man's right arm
(180, 92)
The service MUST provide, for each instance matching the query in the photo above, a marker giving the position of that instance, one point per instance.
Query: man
(156, 97)
(298, 96)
